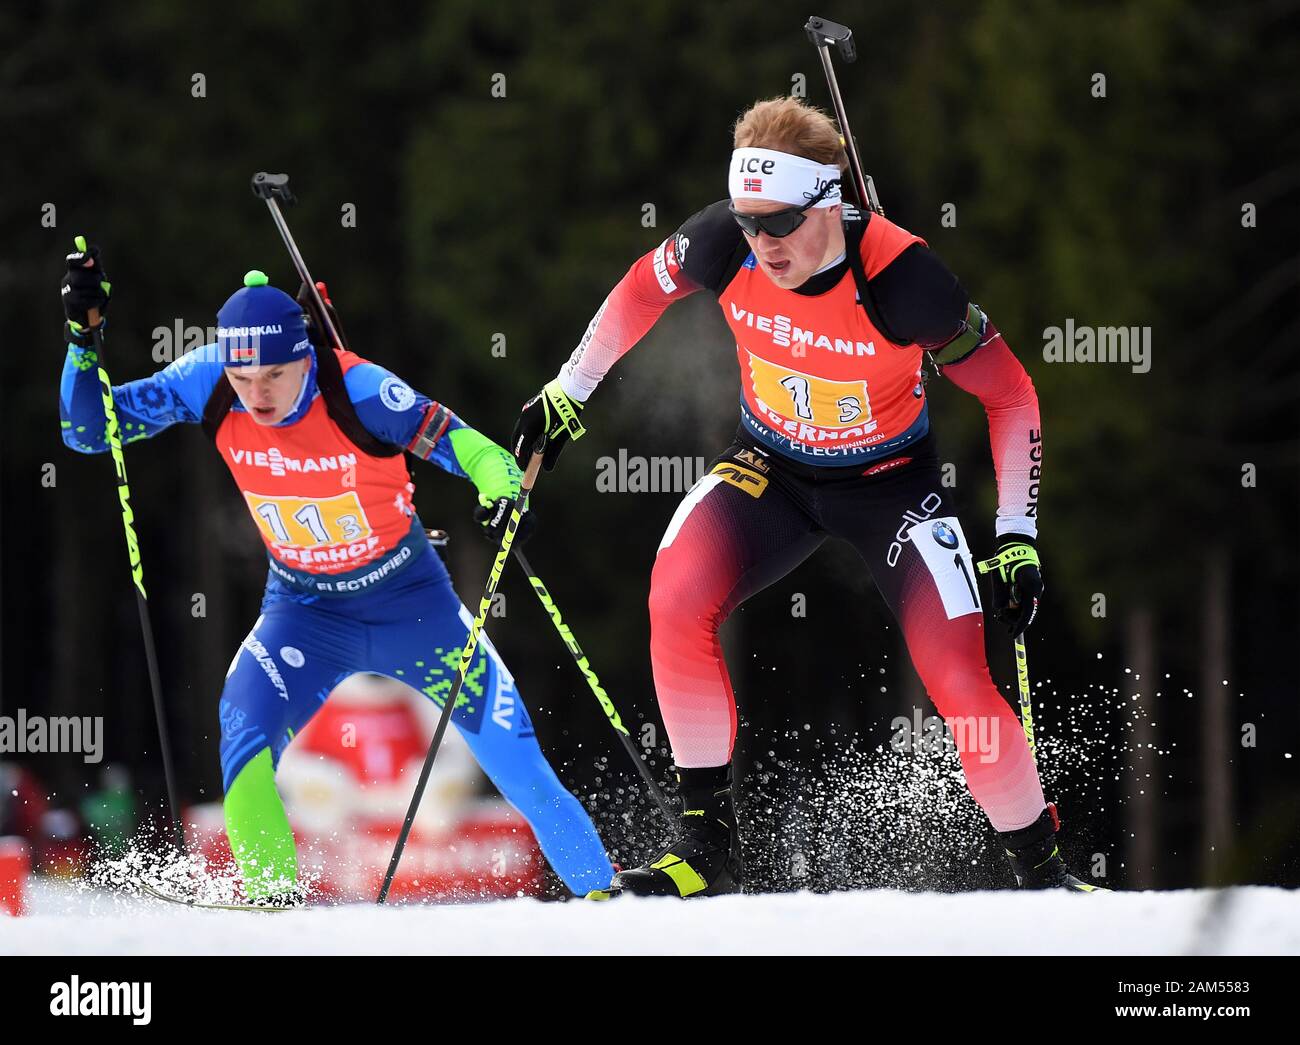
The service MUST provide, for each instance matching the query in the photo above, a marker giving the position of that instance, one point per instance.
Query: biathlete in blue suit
(314, 438)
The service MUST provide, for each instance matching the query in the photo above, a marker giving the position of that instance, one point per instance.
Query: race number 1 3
(819, 400)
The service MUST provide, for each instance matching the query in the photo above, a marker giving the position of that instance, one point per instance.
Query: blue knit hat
(261, 326)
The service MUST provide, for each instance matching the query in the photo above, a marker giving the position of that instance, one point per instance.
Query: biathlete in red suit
(831, 310)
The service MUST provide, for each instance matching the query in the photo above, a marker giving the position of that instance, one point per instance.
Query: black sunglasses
(782, 222)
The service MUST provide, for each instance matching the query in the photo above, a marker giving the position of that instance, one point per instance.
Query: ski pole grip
(272, 187)
(534, 464)
(822, 31)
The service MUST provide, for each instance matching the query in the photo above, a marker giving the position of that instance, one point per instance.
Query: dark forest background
(1170, 724)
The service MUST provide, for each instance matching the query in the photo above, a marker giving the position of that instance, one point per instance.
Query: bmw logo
(944, 535)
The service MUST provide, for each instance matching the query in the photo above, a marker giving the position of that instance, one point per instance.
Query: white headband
(770, 175)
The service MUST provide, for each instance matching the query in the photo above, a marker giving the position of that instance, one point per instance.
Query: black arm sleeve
(706, 247)
(919, 300)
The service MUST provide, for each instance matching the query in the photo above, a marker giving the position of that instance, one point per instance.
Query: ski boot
(1036, 860)
(705, 858)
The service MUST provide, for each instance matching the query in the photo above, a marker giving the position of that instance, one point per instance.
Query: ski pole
(1022, 663)
(823, 33)
(1022, 684)
(580, 658)
(113, 436)
(1022, 680)
(467, 655)
(1027, 711)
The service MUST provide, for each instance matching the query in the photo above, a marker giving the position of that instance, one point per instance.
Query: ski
(210, 905)
(609, 893)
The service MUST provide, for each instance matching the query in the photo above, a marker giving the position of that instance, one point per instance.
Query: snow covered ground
(1252, 920)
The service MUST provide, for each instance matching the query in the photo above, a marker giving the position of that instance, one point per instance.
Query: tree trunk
(1142, 821)
(1217, 733)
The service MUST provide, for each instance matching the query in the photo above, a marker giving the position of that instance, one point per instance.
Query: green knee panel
(259, 831)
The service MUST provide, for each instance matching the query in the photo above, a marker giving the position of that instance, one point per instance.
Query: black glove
(85, 288)
(550, 413)
(317, 337)
(492, 520)
(1017, 581)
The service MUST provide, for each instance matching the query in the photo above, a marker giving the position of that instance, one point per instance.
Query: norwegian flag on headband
(753, 184)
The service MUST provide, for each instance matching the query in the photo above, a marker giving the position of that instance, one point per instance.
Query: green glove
(498, 479)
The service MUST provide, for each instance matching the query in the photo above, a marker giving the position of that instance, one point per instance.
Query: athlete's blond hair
(790, 125)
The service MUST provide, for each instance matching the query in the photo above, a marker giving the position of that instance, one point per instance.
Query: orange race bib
(313, 530)
(806, 397)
